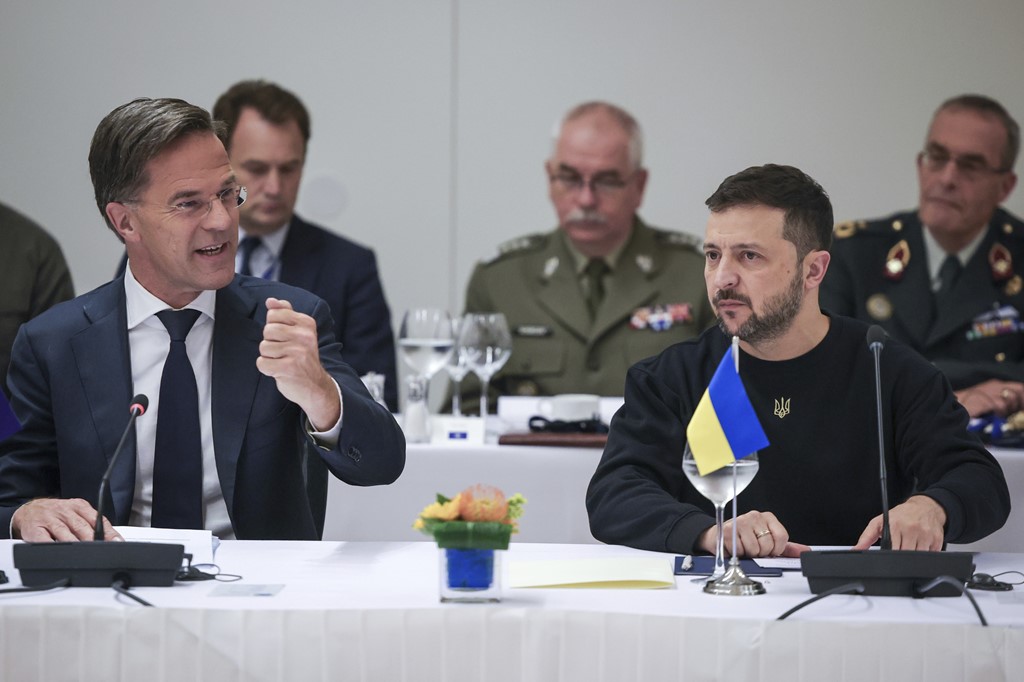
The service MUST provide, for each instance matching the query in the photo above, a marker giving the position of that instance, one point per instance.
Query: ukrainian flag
(724, 427)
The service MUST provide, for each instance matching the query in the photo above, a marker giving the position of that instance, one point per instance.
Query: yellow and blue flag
(724, 427)
(9, 424)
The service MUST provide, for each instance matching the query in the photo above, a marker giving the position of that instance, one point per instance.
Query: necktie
(247, 246)
(178, 461)
(594, 275)
(948, 273)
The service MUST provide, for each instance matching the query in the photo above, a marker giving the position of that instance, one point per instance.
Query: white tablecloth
(554, 480)
(370, 611)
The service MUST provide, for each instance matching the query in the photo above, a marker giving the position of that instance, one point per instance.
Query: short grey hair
(987, 106)
(131, 136)
(621, 116)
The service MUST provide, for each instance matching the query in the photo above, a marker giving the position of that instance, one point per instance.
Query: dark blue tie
(178, 461)
(247, 246)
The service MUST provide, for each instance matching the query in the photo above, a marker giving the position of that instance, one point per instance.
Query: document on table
(199, 543)
(615, 573)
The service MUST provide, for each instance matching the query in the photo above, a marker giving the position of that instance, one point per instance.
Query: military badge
(999, 321)
(879, 307)
(1014, 286)
(661, 317)
(1001, 262)
(550, 265)
(645, 263)
(896, 261)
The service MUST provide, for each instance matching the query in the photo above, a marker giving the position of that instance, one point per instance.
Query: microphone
(876, 339)
(140, 404)
(99, 563)
(884, 572)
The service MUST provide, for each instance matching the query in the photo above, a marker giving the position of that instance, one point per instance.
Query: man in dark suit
(947, 279)
(268, 131)
(257, 362)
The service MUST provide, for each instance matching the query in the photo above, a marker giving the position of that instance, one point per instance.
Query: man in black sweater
(766, 252)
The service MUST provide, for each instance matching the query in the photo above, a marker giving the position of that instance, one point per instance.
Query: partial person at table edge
(246, 384)
(810, 378)
(947, 278)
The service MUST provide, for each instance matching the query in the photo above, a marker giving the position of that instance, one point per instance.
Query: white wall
(431, 118)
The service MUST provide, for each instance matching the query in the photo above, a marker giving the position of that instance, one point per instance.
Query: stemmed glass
(717, 487)
(487, 344)
(457, 366)
(425, 340)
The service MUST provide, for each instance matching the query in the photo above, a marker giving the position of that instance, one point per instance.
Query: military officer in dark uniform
(587, 300)
(947, 278)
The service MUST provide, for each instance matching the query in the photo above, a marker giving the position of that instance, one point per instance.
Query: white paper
(199, 543)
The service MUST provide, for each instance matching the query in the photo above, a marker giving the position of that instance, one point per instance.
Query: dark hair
(131, 136)
(989, 107)
(808, 217)
(271, 101)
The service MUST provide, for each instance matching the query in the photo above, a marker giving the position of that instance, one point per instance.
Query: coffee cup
(571, 407)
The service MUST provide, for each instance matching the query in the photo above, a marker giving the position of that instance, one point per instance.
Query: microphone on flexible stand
(99, 563)
(885, 572)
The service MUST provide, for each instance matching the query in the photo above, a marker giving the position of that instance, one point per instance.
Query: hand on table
(47, 519)
(918, 523)
(758, 534)
(992, 397)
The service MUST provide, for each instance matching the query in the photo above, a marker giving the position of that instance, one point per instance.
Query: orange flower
(483, 503)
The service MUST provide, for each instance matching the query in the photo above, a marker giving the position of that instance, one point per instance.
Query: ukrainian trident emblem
(782, 407)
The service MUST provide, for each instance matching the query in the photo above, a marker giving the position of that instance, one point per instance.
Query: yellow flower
(418, 524)
(449, 511)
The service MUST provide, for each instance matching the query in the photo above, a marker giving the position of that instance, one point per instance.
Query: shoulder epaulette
(682, 239)
(848, 228)
(520, 245)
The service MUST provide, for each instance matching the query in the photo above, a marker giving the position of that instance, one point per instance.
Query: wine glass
(457, 367)
(488, 344)
(717, 487)
(425, 341)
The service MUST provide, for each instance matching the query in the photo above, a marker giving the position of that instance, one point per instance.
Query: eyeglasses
(602, 185)
(194, 209)
(971, 166)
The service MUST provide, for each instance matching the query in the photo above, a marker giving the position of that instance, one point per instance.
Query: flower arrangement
(480, 517)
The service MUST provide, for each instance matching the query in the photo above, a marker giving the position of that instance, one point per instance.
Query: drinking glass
(488, 344)
(425, 341)
(457, 367)
(717, 487)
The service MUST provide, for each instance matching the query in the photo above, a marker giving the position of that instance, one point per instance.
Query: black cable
(63, 582)
(847, 588)
(959, 585)
(121, 587)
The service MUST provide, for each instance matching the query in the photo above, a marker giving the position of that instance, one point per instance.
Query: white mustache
(580, 215)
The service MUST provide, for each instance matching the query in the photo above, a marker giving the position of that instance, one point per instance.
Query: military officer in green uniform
(587, 300)
(947, 278)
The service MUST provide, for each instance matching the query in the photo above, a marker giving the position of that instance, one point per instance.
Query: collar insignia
(550, 265)
(1001, 262)
(896, 261)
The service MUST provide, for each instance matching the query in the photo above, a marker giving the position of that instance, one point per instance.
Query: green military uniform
(879, 274)
(33, 277)
(654, 297)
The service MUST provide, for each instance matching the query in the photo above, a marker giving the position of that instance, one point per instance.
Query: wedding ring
(764, 532)
(1007, 394)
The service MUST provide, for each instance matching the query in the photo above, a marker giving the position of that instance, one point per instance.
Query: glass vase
(470, 575)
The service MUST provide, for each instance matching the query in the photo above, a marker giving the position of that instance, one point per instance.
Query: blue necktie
(247, 246)
(178, 461)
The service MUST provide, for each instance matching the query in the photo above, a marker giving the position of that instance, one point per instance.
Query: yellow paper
(637, 573)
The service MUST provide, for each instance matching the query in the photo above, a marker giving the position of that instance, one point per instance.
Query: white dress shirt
(265, 261)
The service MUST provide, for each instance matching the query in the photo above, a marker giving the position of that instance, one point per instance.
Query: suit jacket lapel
(106, 378)
(236, 339)
(299, 256)
(913, 296)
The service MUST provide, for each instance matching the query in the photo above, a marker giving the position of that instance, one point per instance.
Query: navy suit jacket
(344, 274)
(71, 384)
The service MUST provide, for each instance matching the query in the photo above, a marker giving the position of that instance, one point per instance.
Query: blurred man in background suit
(947, 278)
(268, 133)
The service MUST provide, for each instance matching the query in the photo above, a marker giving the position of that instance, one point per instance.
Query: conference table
(370, 611)
(553, 479)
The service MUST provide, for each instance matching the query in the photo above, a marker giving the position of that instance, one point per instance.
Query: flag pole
(736, 361)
